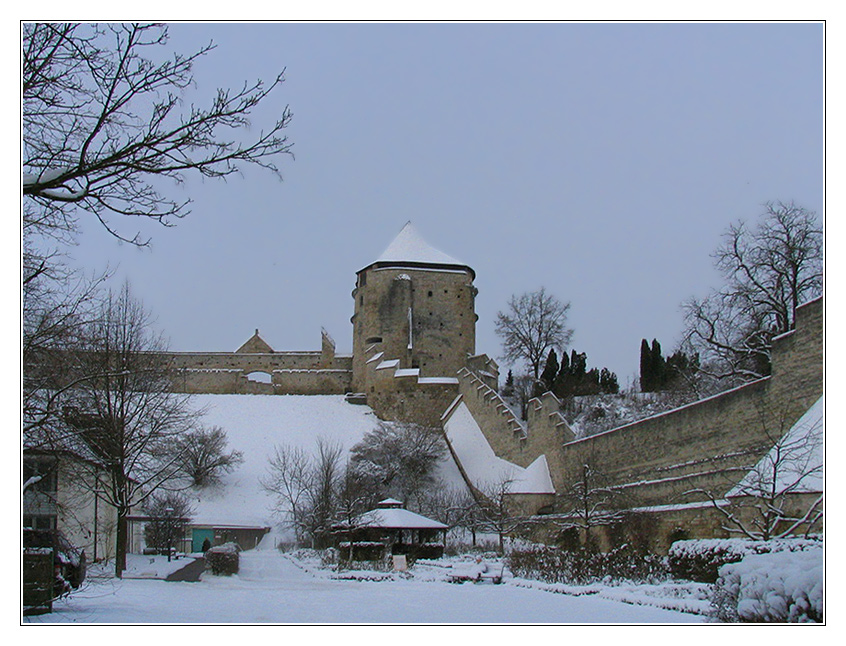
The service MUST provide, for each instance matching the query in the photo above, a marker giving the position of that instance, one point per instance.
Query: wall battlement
(255, 368)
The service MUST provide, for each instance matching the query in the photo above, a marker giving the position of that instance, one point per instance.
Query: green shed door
(200, 535)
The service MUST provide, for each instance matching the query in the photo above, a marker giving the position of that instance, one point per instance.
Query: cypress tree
(550, 370)
(508, 388)
(659, 373)
(562, 387)
(646, 374)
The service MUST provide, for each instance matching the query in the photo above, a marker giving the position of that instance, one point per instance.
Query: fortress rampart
(256, 369)
(711, 444)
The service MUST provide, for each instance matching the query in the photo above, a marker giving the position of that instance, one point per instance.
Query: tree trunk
(120, 544)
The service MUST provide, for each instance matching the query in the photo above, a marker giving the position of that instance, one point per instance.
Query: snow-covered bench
(477, 573)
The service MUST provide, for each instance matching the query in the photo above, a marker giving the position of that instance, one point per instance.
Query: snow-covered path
(272, 589)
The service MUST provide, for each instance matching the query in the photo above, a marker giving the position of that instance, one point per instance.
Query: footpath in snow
(274, 588)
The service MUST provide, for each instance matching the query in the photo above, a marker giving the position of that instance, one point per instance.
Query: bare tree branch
(103, 117)
(769, 271)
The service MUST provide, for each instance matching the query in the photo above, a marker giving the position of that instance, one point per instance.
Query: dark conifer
(646, 375)
(659, 372)
(508, 388)
(550, 370)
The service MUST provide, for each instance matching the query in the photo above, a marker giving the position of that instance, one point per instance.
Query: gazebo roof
(389, 515)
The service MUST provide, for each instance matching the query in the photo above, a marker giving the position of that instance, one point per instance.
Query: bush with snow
(582, 566)
(223, 559)
(700, 560)
(778, 587)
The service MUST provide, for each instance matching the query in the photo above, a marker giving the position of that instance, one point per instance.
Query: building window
(44, 467)
(39, 522)
(430, 293)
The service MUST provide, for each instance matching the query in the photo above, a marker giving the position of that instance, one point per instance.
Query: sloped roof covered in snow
(255, 345)
(397, 518)
(483, 467)
(796, 460)
(410, 249)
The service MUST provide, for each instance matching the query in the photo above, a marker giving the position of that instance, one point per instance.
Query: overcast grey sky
(602, 161)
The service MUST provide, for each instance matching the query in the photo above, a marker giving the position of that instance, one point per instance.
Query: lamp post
(169, 526)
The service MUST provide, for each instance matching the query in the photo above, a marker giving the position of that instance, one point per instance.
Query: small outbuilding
(390, 530)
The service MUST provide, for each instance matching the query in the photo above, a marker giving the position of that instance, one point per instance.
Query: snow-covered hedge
(781, 587)
(223, 559)
(580, 566)
(700, 560)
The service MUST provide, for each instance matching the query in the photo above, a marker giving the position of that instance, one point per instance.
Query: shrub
(700, 560)
(223, 559)
(780, 587)
(581, 566)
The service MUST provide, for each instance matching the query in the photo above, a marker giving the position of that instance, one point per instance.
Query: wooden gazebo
(390, 530)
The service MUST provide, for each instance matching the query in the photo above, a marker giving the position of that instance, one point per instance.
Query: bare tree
(399, 459)
(203, 457)
(288, 479)
(590, 502)
(769, 271)
(308, 489)
(124, 412)
(103, 117)
(169, 512)
(533, 324)
(494, 511)
(324, 495)
(782, 493)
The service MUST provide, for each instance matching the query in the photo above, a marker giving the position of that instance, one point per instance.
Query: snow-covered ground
(272, 587)
(254, 424)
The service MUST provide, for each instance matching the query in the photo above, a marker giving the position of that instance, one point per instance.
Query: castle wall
(544, 432)
(710, 444)
(290, 373)
(504, 432)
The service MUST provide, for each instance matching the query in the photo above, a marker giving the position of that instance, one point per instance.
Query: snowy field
(254, 424)
(274, 588)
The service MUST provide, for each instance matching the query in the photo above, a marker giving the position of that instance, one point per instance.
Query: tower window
(430, 293)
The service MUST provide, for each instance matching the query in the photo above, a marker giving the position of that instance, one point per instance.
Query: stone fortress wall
(665, 464)
(255, 368)
(711, 444)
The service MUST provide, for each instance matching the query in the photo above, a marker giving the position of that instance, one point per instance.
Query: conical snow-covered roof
(409, 248)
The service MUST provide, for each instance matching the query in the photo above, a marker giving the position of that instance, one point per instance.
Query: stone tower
(414, 305)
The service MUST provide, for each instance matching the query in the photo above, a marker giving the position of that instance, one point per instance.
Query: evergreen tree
(608, 382)
(647, 378)
(550, 371)
(575, 380)
(508, 388)
(590, 384)
(578, 365)
(658, 367)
